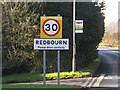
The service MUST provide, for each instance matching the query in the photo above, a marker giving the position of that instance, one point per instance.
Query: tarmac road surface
(110, 67)
(110, 61)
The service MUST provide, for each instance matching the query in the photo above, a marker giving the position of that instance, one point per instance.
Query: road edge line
(99, 80)
(87, 82)
(92, 81)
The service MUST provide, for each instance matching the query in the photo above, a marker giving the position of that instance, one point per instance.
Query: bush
(66, 75)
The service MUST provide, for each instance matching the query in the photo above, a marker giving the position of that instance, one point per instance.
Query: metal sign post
(44, 67)
(58, 66)
(58, 63)
(51, 39)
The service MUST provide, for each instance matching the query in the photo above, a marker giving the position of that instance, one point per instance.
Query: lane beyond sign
(51, 27)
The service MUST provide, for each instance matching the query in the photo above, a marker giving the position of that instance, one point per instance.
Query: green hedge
(66, 75)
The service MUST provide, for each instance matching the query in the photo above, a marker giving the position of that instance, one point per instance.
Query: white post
(74, 45)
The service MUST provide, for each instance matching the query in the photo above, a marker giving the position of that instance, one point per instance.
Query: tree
(87, 43)
(19, 28)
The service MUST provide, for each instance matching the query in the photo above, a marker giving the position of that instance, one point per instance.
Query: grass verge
(28, 77)
(92, 66)
(40, 86)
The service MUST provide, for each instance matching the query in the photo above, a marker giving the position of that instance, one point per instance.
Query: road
(109, 67)
(107, 74)
(109, 64)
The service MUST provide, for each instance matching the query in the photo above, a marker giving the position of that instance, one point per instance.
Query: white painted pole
(74, 45)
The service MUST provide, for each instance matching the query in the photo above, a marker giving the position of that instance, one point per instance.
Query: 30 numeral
(52, 27)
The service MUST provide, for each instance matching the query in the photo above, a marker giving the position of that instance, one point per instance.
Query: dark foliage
(21, 26)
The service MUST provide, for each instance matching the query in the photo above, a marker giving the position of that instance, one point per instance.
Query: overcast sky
(111, 12)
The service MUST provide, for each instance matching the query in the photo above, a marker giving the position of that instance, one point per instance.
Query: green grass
(28, 77)
(40, 86)
(92, 66)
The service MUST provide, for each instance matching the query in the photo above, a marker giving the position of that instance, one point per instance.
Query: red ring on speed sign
(51, 34)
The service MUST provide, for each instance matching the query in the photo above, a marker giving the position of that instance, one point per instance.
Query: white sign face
(78, 26)
(51, 27)
(51, 44)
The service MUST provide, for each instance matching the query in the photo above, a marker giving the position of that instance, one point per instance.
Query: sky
(111, 12)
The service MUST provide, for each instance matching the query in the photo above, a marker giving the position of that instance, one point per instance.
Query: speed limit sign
(51, 27)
